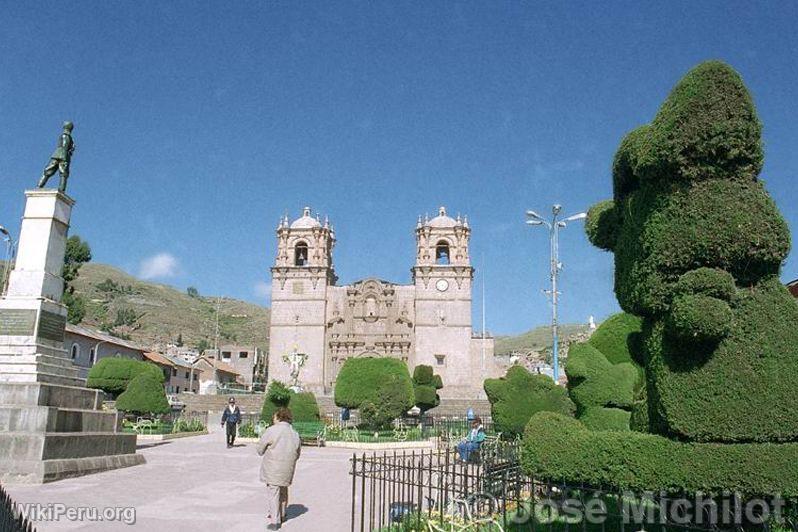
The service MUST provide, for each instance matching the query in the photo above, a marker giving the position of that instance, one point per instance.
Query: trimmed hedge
(603, 373)
(113, 374)
(425, 387)
(390, 401)
(593, 381)
(561, 448)
(518, 395)
(144, 395)
(617, 338)
(743, 389)
(360, 380)
(303, 405)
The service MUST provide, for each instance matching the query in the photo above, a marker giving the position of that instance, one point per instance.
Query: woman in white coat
(279, 445)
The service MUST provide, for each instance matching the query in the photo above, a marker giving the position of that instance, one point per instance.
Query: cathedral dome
(306, 221)
(442, 220)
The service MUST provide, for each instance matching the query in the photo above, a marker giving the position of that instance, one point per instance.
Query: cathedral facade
(426, 322)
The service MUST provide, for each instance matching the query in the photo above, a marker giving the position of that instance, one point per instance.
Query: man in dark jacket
(231, 418)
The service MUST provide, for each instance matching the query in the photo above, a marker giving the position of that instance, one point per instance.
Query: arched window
(442, 252)
(301, 254)
(75, 351)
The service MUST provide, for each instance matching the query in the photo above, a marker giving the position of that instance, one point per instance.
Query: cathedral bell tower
(302, 273)
(443, 277)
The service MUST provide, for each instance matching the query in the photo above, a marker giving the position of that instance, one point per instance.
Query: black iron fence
(11, 520)
(433, 491)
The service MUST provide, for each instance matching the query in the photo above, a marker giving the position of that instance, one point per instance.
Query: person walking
(232, 419)
(279, 445)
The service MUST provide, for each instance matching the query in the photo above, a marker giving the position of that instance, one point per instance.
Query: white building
(426, 322)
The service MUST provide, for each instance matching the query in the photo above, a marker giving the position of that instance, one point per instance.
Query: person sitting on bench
(473, 441)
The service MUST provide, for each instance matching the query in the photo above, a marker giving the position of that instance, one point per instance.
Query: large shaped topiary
(604, 376)
(144, 395)
(698, 246)
(113, 374)
(518, 395)
(425, 387)
(361, 378)
(380, 387)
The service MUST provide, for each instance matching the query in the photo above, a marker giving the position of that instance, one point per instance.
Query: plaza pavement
(196, 484)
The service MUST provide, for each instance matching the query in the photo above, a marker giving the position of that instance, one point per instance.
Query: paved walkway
(197, 484)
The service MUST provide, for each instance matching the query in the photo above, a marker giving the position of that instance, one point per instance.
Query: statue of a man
(60, 159)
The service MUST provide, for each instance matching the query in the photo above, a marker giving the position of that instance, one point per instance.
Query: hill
(153, 314)
(538, 339)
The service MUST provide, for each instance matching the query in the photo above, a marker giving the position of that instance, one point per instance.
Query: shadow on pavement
(151, 445)
(294, 510)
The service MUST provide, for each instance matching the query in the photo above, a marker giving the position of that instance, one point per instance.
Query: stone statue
(296, 361)
(60, 159)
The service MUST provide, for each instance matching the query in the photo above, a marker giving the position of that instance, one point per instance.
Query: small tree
(112, 375)
(303, 405)
(515, 397)
(380, 387)
(192, 292)
(76, 254)
(144, 395)
(425, 387)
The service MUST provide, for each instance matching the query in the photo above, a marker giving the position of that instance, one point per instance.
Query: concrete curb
(380, 446)
(364, 446)
(164, 437)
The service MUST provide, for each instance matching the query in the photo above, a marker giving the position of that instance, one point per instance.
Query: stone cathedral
(426, 322)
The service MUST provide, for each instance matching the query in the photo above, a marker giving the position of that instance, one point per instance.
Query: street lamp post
(9, 258)
(554, 227)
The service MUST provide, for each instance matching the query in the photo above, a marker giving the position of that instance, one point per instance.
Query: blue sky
(199, 124)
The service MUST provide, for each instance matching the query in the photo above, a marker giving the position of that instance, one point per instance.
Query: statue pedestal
(51, 426)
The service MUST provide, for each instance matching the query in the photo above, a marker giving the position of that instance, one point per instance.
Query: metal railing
(434, 492)
(11, 519)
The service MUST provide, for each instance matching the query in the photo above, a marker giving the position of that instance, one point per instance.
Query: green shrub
(303, 405)
(707, 128)
(360, 380)
(595, 383)
(113, 374)
(247, 430)
(601, 225)
(561, 448)
(742, 389)
(707, 282)
(144, 395)
(187, 425)
(698, 248)
(518, 395)
(615, 338)
(699, 318)
(391, 401)
(425, 387)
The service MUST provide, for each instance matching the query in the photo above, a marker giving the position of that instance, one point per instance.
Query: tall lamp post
(9, 258)
(554, 227)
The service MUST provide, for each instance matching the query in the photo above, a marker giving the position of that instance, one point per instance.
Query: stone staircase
(252, 403)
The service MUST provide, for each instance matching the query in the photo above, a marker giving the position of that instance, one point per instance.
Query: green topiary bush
(361, 378)
(144, 395)
(303, 405)
(603, 374)
(425, 387)
(518, 395)
(558, 447)
(113, 374)
(698, 247)
(390, 401)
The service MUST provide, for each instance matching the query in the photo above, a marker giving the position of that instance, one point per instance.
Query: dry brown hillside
(154, 314)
